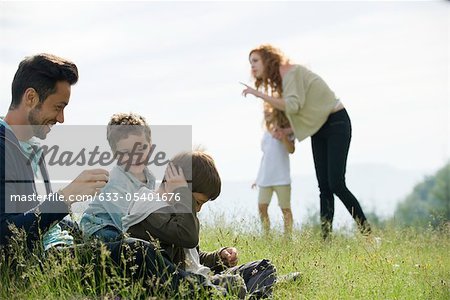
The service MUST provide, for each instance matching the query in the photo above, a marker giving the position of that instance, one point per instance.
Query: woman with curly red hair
(313, 111)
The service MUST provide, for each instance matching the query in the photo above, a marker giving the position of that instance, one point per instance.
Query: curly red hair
(272, 58)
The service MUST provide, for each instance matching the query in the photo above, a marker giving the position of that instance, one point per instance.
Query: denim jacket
(111, 205)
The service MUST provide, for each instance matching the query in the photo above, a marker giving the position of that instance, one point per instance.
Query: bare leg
(263, 214)
(288, 220)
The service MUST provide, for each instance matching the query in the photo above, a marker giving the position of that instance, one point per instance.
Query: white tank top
(274, 168)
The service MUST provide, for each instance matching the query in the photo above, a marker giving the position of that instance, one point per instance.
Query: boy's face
(133, 150)
(200, 199)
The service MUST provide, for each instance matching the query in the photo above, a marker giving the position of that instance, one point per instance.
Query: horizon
(180, 64)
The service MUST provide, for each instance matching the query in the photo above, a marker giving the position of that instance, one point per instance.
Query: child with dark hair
(173, 225)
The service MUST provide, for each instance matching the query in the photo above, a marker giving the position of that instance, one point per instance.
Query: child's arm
(219, 260)
(286, 136)
(212, 260)
(175, 224)
(288, 142)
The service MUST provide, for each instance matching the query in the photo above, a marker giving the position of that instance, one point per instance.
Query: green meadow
(407, 264)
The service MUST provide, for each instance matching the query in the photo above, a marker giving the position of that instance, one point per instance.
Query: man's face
(46, 114)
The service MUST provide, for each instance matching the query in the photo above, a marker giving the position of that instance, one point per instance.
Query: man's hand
(89, 182)
(229, 256)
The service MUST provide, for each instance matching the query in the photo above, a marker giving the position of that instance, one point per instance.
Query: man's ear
(30, 97)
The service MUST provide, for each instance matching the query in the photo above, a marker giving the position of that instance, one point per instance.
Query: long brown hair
(277, 118)
(272, 58)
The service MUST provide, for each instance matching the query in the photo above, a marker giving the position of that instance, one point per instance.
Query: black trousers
(330, 146)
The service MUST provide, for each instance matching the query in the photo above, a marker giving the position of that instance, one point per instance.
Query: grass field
(408, 264)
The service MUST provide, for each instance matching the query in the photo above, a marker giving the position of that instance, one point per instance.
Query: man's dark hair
(41, 72)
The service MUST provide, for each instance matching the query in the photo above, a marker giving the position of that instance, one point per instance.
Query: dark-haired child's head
(201, 174)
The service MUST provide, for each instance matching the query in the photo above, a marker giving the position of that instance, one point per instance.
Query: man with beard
(40, 92)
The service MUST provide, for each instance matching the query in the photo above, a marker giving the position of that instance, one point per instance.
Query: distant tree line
(429, 202)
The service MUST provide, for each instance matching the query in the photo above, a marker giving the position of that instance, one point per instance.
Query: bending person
(313, 111)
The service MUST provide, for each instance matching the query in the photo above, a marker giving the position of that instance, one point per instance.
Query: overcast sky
(180, 63)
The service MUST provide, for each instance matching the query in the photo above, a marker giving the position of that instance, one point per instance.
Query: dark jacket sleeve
(177, 225)
(33, 222)
(212, 260)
